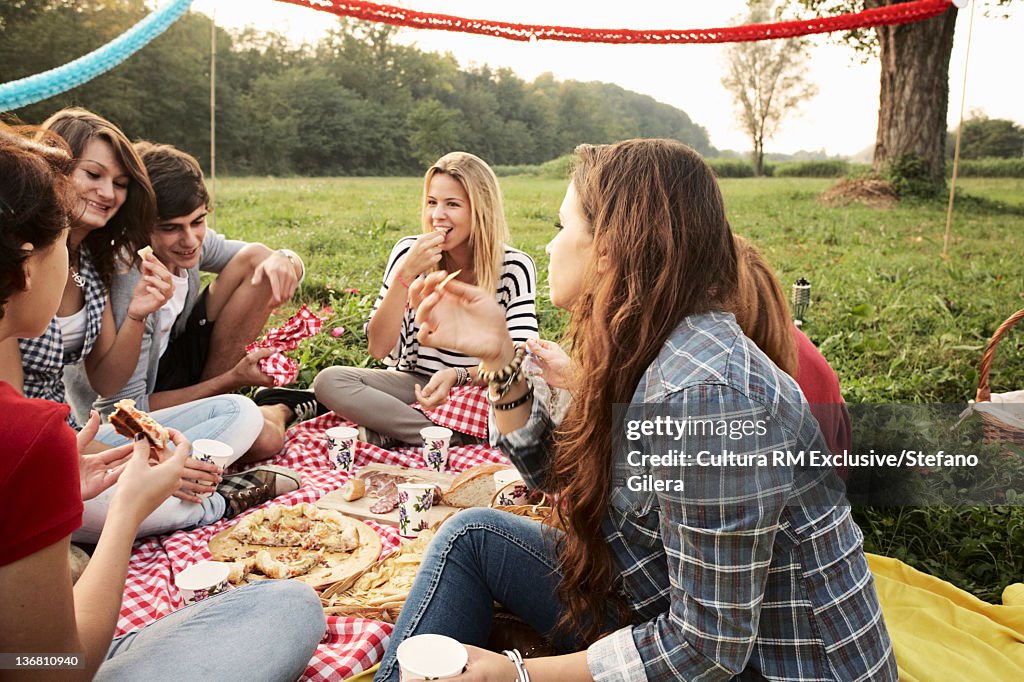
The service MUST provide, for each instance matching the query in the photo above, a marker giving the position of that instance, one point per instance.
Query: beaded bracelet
(505, 373)
(517, 659)
(461, 376)
(513, 404)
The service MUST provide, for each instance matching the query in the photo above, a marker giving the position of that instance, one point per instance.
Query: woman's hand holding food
(153, 290)
(100, 470)
(555, 363)
(461, 317)
(424, 254)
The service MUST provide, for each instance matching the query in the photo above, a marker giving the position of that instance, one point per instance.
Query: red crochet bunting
(902, 13)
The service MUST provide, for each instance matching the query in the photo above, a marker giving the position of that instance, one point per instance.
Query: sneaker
(368, 435)
(303, 404)
(459, 439)
(254, 487)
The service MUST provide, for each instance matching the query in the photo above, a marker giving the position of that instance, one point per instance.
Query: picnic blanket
(351, 645)
(940, 632)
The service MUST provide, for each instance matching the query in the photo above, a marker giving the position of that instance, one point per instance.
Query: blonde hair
(488, 232)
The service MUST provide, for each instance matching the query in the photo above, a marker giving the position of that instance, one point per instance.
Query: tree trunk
(914, 95)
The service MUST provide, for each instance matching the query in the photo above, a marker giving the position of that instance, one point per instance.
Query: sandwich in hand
(128, 420)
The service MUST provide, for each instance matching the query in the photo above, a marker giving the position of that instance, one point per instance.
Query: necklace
(77, 277)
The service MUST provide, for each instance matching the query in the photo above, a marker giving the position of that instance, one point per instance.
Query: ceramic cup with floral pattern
(435, 447)
(341, 448)
(202, 580)
(414, 501)
(509, 486)
(209, 450)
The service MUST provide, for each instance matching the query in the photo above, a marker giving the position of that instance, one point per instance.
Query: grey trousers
(375, 398)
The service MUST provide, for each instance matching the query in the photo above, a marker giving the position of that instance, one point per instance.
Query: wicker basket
(535, 512)
(996, 430)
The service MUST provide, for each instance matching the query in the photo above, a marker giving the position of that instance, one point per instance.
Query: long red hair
(665, 252)
(761, 308)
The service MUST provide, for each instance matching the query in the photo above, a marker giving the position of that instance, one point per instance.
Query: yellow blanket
(940, 632)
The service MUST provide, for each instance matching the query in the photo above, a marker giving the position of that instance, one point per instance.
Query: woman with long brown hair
(268, 633)
(116, 208)
(681, 554)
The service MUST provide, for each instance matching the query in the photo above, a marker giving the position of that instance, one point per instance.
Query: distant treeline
(356, 103)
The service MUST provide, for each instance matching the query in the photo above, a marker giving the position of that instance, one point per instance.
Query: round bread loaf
(474, 487)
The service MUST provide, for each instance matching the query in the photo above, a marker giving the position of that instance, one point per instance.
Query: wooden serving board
(360, 509)
(340, 565)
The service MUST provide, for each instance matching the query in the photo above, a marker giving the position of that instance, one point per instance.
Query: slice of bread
(473, 487)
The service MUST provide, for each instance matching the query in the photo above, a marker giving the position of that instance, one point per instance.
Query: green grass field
(896, 321)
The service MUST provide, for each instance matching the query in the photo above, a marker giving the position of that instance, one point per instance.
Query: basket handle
(984, 391)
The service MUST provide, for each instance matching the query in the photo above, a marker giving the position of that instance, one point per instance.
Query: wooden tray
(360, 509)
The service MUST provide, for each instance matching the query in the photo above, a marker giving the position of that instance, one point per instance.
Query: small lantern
(801, 300)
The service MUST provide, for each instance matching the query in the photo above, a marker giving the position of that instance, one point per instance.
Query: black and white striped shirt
(516, 293)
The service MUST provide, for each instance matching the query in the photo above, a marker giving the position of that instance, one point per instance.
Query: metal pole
(959, 133)
(213, 116)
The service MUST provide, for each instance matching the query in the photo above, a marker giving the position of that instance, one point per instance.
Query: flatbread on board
(324, 546)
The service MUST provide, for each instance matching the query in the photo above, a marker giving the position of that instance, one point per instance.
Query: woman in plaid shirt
(686, 551)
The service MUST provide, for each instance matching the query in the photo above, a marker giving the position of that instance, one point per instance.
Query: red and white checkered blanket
(351, 645)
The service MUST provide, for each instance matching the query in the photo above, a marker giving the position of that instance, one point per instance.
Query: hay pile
(868, 191)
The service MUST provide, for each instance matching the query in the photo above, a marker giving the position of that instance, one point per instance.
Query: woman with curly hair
(678, 557)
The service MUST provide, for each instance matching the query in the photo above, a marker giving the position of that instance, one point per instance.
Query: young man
(194, 346)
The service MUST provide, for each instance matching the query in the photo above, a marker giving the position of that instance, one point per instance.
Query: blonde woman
(464, 230)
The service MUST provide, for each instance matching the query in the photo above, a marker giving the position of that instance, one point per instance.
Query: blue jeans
(264, 631)
(478, 557)
(232, 419)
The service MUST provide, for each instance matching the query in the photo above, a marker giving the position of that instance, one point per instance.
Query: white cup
(435, 447)
(414, 501)
(202, 580)
(341, 447)
(209, 450)
(508, 483)
(431, 657)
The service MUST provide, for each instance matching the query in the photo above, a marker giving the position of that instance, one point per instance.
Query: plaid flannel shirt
(44, 358)
(739, 575)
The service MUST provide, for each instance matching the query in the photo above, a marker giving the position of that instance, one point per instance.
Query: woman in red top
(763, 314)
(43, 480)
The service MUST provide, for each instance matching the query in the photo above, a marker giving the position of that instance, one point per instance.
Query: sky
(840, 120)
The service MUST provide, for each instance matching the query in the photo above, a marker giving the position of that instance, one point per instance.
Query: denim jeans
(478, 557)
(264, 631)
(232, 419)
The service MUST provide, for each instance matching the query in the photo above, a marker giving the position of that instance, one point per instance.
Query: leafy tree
(768, 80)
(914, 94)
(989, 137)
(356, 103)
(434, 130)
